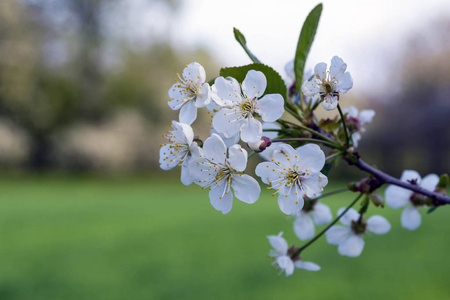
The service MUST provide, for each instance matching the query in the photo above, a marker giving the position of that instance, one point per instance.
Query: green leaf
(304, 43)
(241, 40)
(326, 168)
(275, 84)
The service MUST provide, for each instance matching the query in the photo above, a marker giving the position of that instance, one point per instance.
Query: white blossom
(221, 173)
(282, 259)
(349, 237)
(294, 174)
(238, 106)
(311, 213)
(328, 85)
(356, 120)
(190, 92)
(179, 150)
(397, 197)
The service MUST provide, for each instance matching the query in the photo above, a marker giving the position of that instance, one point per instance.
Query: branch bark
(438, 199)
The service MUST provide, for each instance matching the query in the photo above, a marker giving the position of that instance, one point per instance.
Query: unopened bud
(260, 145)
(443, 183)
(377, 200)
(353, 186)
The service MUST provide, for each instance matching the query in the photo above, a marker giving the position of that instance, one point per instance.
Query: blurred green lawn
(153, 238)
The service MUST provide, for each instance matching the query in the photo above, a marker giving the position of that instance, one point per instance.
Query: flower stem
(344, 125)
(306, 140)
(330, 193)
(438, 198)
(251, 154)
(299, 250)
(333, 155)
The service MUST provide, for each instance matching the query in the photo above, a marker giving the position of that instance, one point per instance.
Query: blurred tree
(62, 63)
(412, 124)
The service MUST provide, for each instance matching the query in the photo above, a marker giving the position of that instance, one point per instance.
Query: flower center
(328, 88)
(222, 173)
(247, 107)
(309, 205)
(359, 227)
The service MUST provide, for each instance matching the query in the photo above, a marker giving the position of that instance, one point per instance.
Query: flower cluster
(349, 237)
(327, 85)
(397, 197)
(220, 162)
(297, 152)
(285, 258)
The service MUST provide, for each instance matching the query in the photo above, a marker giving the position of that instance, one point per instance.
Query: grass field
(152, 238)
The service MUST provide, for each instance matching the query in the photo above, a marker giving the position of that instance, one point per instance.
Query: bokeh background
(87, 214)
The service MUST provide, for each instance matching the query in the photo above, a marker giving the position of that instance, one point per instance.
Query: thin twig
(304, 139)
(345, 126)
(438, 198)
(330, 193)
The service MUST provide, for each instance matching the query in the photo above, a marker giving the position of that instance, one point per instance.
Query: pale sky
(357, 31)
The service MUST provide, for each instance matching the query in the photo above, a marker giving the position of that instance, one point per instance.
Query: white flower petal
(291, 203)
(323, 181)
(350, 215)
(270, 107)
(201, 171)
(397, 197)
(278, 243)
(246, 188)
(330, 102)
(310, 157)
(227, 91)
(186, 130)
(345, 82)
(351, 111)
(310, 88)
(286, 264)
(188, 113)
(307, 265)
(409, 175)
(378, 225)
(237, 158)
(337, 67)
(221, 197)
(251, 130)
(366, 116)
(321, 214)
(304, 226)
(194, 73)
(268, 153)
(254, 84)
(230, 141)
(265, 171)
(214, 149)
(356, 137)
(353, 246)
(411, 218)
(226, 122)
(337, 234)
(178, 96)
(321, 70)
(430, 182)
(289, 69)
(185, 173)
(167, 160)
(313, 184)
(203, 96)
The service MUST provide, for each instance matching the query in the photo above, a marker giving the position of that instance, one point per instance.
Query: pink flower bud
(260, 145)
